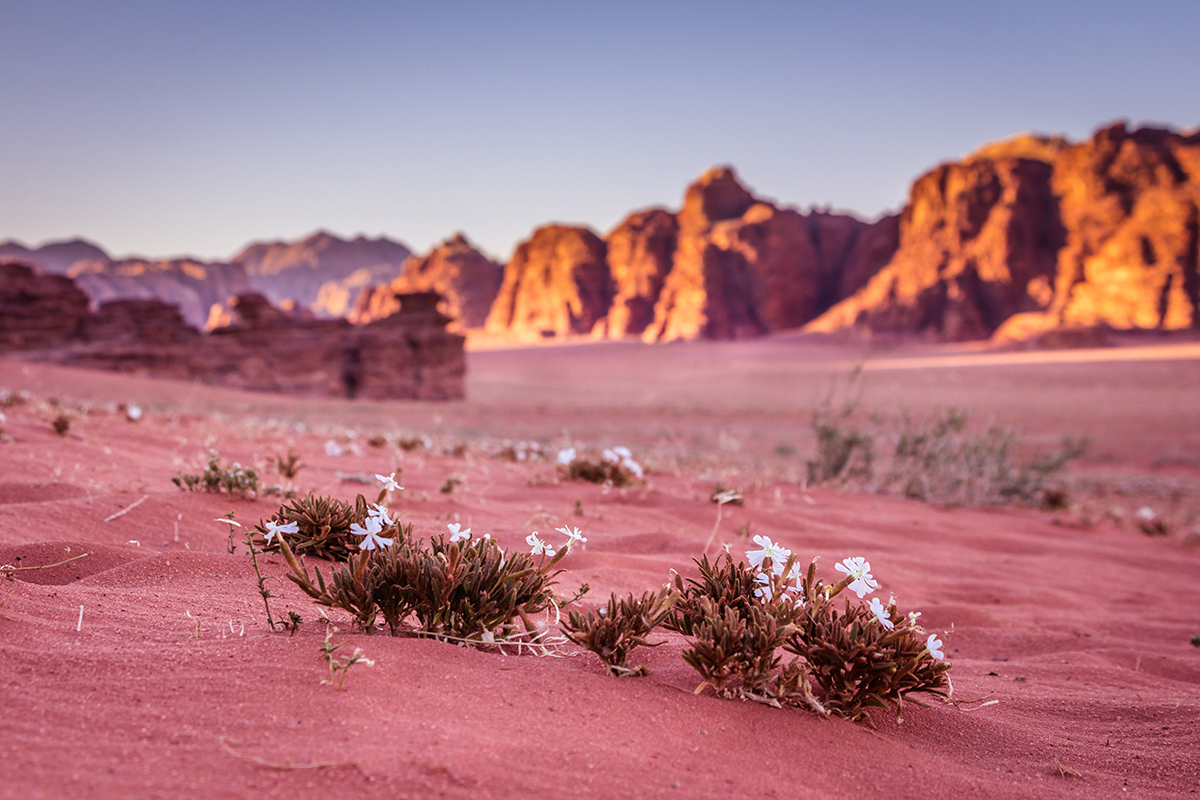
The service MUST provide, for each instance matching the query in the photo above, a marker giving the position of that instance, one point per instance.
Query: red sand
(1080, 633)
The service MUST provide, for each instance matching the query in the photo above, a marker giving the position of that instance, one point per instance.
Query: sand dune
(170, 684)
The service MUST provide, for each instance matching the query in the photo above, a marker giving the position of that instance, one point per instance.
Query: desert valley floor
(146, 669)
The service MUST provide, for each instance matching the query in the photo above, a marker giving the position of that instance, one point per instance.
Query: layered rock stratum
(1037, 234)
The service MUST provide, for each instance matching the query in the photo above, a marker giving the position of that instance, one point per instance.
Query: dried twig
(127, 508)
(1063, 770)
(8, 569)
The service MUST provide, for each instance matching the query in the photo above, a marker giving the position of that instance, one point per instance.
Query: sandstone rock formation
(321, 271)
(557, 283)
(1035, 234)
(466, 279)
(640, 252)
(38, 311)
(149, 322)
(727, 265)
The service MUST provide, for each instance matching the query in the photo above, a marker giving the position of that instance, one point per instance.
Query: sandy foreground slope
(171, 685)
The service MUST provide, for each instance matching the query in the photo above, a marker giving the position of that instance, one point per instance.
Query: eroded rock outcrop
(408, 355)
(38, 311)
(641, 250)
(745, 267)
(727, 265)
(557, 283)
(1035, 234)
(466, 279)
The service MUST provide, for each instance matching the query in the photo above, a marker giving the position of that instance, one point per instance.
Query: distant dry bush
(940, 460)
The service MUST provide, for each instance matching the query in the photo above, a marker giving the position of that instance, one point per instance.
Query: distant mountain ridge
(321, 271)
(1024, 236)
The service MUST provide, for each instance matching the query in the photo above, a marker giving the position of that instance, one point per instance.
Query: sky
(163, 129)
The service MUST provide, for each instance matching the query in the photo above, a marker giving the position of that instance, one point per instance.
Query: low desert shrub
(455, 588)
(615, 467)
(739, 616)
(519, 451)
(323, 526)
(61, 424)
(288, 467)
(614, 630)
(234, 479)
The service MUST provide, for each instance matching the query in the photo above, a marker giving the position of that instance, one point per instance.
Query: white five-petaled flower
(765, 590)
(539, 547)
(934, 645)
(456, 534)
(389, 482)
(274, 528)
(881, 614)
(565, 457)
(371, 531)
(573, 535)
(778, 555)
(859, 569)
(380, 513)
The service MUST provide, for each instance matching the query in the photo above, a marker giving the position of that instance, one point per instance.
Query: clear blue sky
(164, 128)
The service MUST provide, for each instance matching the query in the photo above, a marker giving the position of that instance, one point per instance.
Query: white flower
(389, 482)
(623, 452)
(632, 466)
(573, 535)
(778, 555)
(934, 645)
(881, 614)
(796, 588)
(273, 528)
(610, 456)
(859, 569)
(565, 457)
(1146, 514)
(539, 547)
(371, 531)
(380, 513)
(133, 414)
(765, 591)
(457, 535)
(912, 617)
(332, 448)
